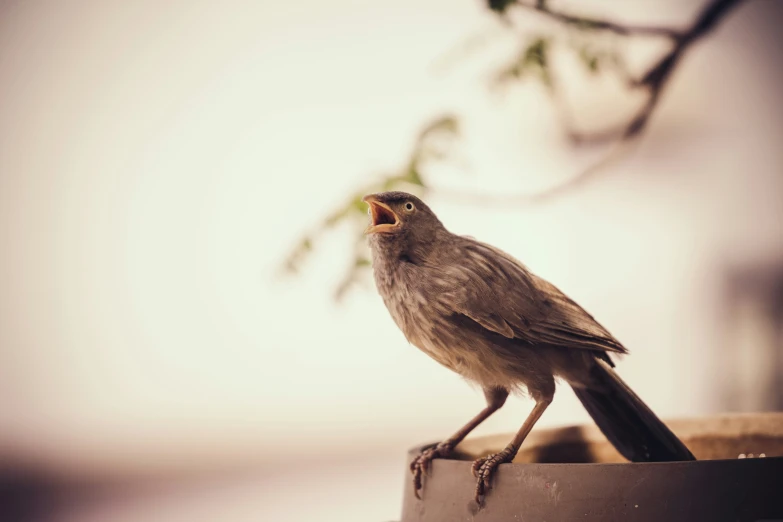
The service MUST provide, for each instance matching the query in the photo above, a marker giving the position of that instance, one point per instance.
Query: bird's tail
(627, 422)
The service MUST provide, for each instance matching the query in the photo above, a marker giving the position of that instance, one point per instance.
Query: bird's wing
(499, 293)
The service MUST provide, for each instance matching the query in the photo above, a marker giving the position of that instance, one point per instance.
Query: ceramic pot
(573, 473)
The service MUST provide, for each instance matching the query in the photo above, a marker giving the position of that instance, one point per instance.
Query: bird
(481, 313)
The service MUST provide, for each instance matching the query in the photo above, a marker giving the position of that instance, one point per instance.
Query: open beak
(384, 220)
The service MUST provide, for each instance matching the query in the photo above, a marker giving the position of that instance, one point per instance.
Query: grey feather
(481, 313)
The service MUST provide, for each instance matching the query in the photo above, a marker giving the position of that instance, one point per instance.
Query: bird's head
(401, 221)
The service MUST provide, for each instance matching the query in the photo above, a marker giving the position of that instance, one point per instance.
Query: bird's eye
(409, 206)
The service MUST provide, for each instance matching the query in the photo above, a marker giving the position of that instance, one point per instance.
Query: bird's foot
(421, 463)
(485, 467)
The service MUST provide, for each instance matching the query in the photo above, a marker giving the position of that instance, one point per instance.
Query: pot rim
(692, 430)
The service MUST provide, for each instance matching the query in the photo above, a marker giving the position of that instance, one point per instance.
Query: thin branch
(530, 199)
(601, 25)
(427, 147)
(654, 81)
(657, 77)
(565, 114)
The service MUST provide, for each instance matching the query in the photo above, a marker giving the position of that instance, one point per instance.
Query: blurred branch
(432, 144)
(656, 77)
(593, 24)
(653, 81)
(533, 60)
(530, 199)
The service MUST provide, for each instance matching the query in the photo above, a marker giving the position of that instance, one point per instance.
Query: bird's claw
(421, 463)
(484, 468)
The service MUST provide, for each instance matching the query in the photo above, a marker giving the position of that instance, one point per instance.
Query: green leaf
(294, 260)
(590, 59)
(532, 59)
(428, 145)
(499, 6)
(447, 125)
(414, 178)
(358, 205)
(536, 53)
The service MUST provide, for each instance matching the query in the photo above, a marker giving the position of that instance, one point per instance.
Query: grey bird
(482, 314)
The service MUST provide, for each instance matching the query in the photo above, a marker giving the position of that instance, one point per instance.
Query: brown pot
(573, 473)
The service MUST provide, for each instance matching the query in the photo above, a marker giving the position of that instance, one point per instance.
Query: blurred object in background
(25, 495)
(751, 354)
(158, 161)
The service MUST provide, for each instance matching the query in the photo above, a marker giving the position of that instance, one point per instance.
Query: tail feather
(627, 422)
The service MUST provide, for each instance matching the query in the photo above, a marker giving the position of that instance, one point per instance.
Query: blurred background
(188, 329)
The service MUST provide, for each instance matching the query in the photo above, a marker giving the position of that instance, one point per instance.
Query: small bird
(482, 314)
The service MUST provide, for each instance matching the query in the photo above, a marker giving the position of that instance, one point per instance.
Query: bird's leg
(496, 397)
(484, 468)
